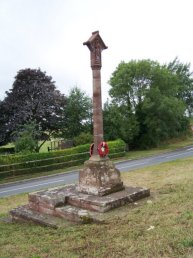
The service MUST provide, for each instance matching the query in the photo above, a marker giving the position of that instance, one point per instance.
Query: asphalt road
(72, 176)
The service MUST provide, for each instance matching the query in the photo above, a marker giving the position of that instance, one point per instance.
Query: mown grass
(158, 226)
(165, 147)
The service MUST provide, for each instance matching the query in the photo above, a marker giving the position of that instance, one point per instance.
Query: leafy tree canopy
(185, 82)
(33, 97)
(26, 139)
(78, 113)
(149, 101)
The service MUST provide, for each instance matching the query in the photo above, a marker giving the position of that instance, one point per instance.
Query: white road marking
(176, 155)
(21, 188)
(133, 165)
(189, 149)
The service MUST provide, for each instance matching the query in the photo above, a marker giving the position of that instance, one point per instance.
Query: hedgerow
(12, 165)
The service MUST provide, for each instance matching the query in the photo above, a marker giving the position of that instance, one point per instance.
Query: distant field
(170, 145)
(44, 148)
(159, 226)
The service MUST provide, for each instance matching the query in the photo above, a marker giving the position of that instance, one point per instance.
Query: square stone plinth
(99, 177)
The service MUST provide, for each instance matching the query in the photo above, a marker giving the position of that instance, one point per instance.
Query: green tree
(4, 137)
(78, 113)
(26, 140)
(33, 97)
(185, 82)
(146, 95)
(119, 122)
(83, 138)
(130, 81)
(163, 119)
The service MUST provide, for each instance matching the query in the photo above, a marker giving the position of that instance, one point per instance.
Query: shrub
(26, 139)
(83, 138)
(7, 150)
(40, 162)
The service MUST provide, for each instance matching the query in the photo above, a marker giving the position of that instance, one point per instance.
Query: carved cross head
(96, 46)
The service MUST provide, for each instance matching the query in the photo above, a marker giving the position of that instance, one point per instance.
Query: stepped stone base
(53, 206)
(62, 215)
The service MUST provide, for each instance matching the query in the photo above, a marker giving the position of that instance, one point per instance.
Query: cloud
(49, 34)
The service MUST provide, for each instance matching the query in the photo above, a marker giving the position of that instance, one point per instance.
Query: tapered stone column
(99, 175)
(96, 46)
(97, 111)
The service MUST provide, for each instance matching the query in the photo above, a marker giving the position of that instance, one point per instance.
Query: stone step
(60, 218)
(48, 200)
(25, 214)
(78, 215)
(105, 203)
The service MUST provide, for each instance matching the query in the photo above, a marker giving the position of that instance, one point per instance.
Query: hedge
(33, 170)
(7, 150)
(12, 165)
(17, 158)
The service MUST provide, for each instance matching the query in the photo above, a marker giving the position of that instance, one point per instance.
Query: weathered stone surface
(67, 203)
(66, 213)
(108, 202)
(47, 200)
(99, 177)
(78, 215)
(85, 201)
(25, 214)
(96, 46)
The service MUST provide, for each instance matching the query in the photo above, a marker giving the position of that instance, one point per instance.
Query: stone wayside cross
(99, 175)
(98, 178)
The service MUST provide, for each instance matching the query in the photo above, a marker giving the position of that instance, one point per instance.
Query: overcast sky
(49, 34)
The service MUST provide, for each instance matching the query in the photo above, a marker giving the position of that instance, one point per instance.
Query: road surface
(72, 176)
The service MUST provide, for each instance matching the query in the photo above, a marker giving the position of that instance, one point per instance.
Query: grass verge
(160, 226)
(166, 147)
(40, 174)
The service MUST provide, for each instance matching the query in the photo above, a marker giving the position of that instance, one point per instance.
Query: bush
(7, 150)
(40, 162)
(10, 159)
(83, 138)
(26, 139)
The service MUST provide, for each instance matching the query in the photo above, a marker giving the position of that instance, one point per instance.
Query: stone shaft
(96, 46)
(97, 110)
